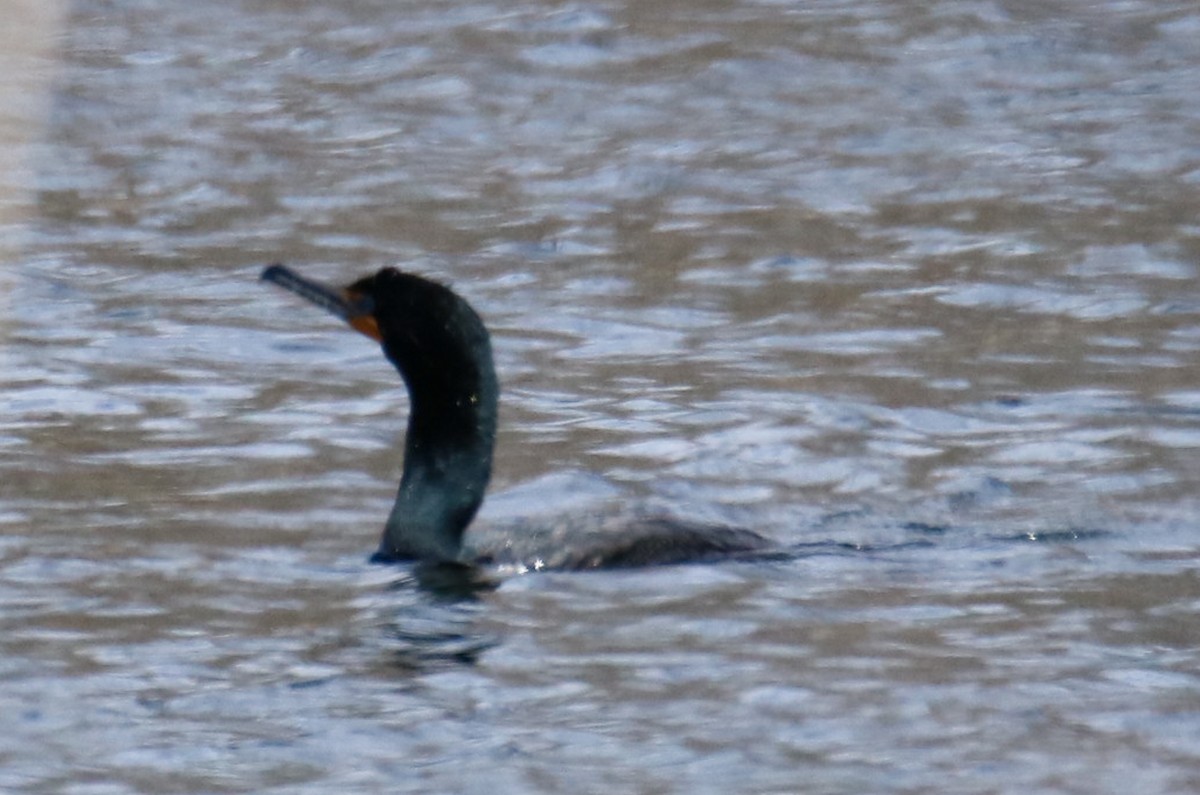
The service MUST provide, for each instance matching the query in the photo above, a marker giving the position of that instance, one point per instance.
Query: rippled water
(918, 281)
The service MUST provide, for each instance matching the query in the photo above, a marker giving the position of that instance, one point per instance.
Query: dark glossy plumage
(442, 350)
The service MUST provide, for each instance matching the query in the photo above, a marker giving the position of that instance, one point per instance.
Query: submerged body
(615, 541)
(442, 351)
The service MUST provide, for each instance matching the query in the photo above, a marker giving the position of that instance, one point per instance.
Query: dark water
(916, 280)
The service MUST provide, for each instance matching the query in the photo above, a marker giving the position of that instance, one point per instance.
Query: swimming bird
(443, 353)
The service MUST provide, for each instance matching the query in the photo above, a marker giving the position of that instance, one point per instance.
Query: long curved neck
(447, 459)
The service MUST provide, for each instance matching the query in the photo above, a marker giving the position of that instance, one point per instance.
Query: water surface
(914, 286)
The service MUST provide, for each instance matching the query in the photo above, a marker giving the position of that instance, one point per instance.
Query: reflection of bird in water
(441, 348)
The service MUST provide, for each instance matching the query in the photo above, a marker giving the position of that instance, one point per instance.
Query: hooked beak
(354, 308)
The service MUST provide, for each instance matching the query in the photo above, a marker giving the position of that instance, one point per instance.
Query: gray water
(911, 286)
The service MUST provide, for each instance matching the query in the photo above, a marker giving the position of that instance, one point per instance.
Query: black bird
(442, 350)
